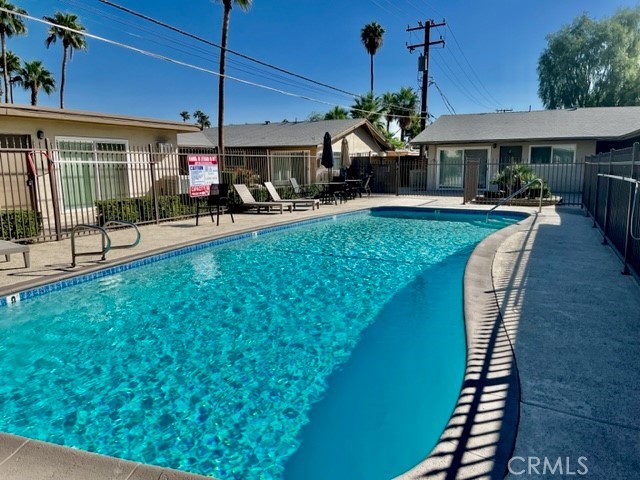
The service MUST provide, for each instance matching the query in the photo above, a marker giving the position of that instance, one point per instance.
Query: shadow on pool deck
(574, 321)
(479, 439)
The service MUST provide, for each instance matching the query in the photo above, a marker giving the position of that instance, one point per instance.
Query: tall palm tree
(244, 5)
(33, 76)
(185, 116)
(10, 25)
(371, 36)
(13, 64)
(369, 107)
(336, 113)
(71, 40)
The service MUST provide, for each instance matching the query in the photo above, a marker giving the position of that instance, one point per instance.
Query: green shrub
(171, 206)
(513, 177)
(142, 209)
(16, 224)
(124, 210)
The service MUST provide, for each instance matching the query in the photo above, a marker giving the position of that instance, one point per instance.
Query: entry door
(510, 155)
(481, 156)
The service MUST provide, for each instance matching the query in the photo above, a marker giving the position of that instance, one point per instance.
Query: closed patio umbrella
(344, 155)
(327, 153)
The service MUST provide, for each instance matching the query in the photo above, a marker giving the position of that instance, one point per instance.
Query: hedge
(138, 210)
(16, 224)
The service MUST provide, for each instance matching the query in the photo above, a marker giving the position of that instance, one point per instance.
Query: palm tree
(33, 76)
(336, 113)
(388, 100)
(371, 36)
(10, 25)
(369, 107)
(244, 5)
(13, 63)
(185, 116)
(71, 40)
(201, 119)
(406, 106)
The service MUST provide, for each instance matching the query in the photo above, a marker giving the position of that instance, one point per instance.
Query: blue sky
(489, 60)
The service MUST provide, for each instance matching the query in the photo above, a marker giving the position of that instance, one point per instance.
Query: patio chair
(219, 199)
(250, 202)
(307, 202)
(7, 248)
(297, 189)
(366, 186)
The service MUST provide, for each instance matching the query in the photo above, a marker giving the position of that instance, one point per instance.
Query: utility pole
(424, 62)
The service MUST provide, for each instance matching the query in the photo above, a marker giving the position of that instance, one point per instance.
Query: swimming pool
(253, 359)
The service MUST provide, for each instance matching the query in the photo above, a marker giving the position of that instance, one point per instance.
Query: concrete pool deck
(554, 296)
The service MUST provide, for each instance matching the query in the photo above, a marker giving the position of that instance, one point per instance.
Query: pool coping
(480, 437)
(461, 441)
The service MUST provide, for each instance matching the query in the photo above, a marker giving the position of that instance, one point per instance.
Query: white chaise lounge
(305, 202)
(249, 201)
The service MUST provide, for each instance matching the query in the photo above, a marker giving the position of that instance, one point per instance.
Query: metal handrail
(106, 239)
(118, 223)
(106, 242)
(522, 189)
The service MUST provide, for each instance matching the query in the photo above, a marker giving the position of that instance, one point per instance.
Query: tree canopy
(592, 63)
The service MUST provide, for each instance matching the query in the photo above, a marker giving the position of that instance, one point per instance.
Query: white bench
(7, 248)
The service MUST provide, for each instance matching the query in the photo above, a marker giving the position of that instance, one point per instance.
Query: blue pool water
(333, 350)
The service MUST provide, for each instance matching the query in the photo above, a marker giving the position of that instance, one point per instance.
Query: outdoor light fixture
(495, 145)
(40, 134)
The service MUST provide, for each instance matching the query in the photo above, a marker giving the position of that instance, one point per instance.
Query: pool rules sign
(203, 171)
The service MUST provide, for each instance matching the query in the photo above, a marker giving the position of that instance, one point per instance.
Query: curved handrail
(106, 242)
(106, 239)
(116, 223)
(526, 187)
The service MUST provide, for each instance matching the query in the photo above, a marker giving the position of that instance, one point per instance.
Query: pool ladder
(518, 192)
(106, 239)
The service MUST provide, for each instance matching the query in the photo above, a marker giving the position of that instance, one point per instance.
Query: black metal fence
(49, 188)
(412, 175)
(45, 191)
(612, 198)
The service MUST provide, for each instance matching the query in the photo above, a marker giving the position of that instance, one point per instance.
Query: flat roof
(48, 113)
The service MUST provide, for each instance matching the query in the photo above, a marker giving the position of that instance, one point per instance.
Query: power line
(445, 100)
(234, 64)
(179, 62)
(453, 78)
(247, 57)
(490, 96)
(203, 40)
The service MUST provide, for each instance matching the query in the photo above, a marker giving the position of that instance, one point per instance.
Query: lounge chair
(249, 201)
(307, 202)
(7, 248)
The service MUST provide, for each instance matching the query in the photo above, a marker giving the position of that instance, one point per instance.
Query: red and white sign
(203, 171)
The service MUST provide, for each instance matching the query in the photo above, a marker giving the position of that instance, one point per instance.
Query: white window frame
(559, 145)
(480, 147)
(93, 140)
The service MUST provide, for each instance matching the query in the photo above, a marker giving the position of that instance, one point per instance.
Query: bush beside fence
(19, 224)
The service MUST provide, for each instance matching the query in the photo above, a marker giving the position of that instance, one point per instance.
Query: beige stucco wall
(360, 142)
(138, 139)
(564, 178)
(136, 136)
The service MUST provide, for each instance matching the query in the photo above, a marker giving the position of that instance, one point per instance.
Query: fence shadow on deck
(480, 436)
